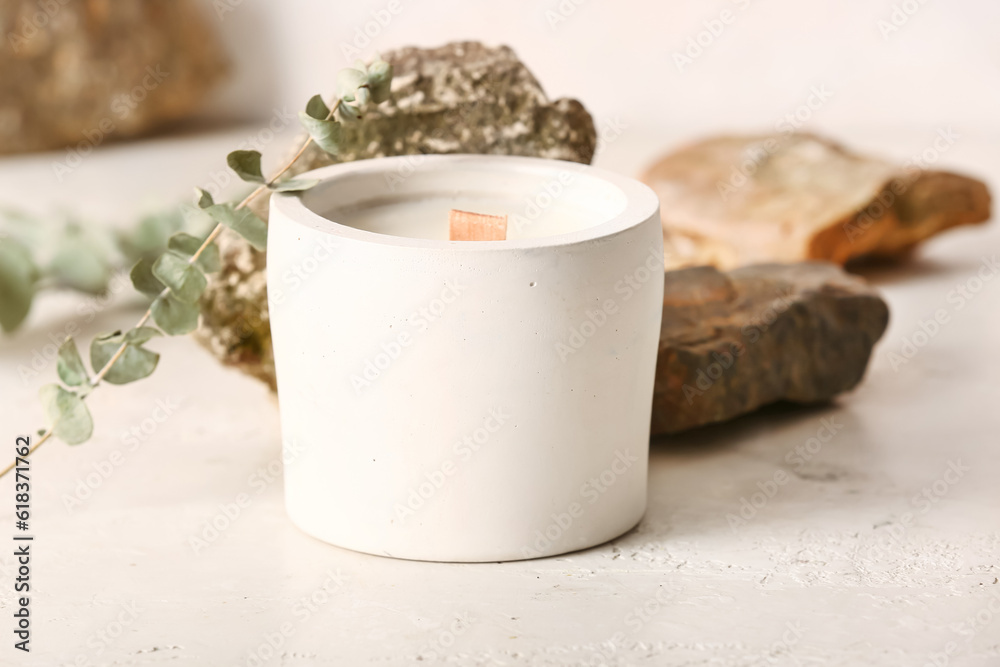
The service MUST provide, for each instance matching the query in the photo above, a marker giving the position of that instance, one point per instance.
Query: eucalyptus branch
(177, 279)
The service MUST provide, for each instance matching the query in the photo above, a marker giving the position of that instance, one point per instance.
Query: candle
(428, 218)
(465, 400)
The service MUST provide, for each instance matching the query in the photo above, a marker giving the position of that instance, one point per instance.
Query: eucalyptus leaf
(135, 363)
(186, 281)
(144, 280)
(18, 275)
(149, 238)
(140, 335)
(295, 185)
(67, 414)
(379, 80)
(349, 112)
(79, 265)
(326, 133)
(316, 108)
(70, 366)
(246, 164)
(174, 316)
(188, 245)
(362, 96)
(204, 198)
(242, 221)
(349, 80)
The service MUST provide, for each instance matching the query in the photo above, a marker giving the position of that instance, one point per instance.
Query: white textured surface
(815, 578)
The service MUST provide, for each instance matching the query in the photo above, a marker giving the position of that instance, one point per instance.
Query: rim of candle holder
(641, 202)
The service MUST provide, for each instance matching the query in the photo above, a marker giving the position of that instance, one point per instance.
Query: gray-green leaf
(186, 281)
(246, 164)
(316, 108)
(188, 245)
(67, 414)
(379, 80)
(70, 366)
(242, 221)
(135, 363)
(18, 274)
(140, 335)
(349, 112)
(174, 316)
(77, 264)
(150, 235)
(326, 133)
(204, 198)
(294, 185)
(143, 278)
(348, 81)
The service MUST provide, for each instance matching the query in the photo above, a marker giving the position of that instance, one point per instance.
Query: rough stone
(80, 72)
(459, 98)
(733, 342)
(730, 201)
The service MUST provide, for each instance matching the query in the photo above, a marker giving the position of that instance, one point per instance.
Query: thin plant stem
(96, 380)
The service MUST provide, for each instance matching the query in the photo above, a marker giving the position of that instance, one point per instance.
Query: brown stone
(729, 201)
(86, 71)
(459, 98)
(733, 342)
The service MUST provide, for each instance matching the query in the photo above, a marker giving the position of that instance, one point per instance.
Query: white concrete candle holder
(465, 400)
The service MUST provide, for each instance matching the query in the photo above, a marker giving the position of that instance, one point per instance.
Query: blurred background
(894, 72)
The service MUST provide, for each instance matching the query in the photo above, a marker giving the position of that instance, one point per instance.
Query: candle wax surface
(427, 218)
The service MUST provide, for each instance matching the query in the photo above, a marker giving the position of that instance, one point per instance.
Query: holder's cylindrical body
(466, 401)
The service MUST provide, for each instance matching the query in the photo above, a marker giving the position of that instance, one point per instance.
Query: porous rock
(79, 72)
(734, 341)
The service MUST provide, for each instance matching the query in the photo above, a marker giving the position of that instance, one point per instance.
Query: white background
(940, 67)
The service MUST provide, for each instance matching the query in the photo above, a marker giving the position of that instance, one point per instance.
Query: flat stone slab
(729, 201)
(733, 342)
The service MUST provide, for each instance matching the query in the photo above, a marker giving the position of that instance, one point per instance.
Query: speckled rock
(459, 98)
(77, 73)
(733, 342)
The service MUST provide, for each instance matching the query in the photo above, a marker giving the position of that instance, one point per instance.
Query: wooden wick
(466, 226)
